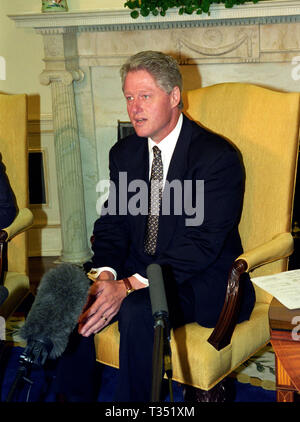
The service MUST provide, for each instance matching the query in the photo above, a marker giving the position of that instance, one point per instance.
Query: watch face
(129, 291)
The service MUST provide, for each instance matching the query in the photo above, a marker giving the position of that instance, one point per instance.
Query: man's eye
(146, 96)
(129, 98)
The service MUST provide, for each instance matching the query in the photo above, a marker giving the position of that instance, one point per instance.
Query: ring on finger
(103, 317)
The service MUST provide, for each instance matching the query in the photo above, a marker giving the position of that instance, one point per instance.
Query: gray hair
(163, 68)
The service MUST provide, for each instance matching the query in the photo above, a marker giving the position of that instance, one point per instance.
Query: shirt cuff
(141, 279)
(97, 271)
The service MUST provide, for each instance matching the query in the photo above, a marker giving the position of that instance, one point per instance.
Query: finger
(89, 326)
(102, 324)
(96, 288)
(97, 322)
(98, 326)
(91, 318)
(85, 325)
(94, 291)
(87, 305)
(91, 310)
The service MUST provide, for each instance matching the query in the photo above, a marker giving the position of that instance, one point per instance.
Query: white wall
(23, 51)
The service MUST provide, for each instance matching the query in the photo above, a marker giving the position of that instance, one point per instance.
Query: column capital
(61, 56)
(66, 77)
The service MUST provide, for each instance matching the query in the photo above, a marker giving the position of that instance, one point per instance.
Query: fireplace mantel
(119, 19)
(83, 51)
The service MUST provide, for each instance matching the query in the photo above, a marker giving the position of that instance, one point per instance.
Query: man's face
(153, 112)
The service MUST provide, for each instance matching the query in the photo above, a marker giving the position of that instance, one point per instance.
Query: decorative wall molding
(226, 44)
(40, 124)
(120, 20)
(190, 46)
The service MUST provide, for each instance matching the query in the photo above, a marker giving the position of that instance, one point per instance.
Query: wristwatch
(129, 288)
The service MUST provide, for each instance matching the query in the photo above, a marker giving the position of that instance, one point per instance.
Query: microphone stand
(34, 355)
(161, 356)
(22, 375)
(4, 356)
(168, 363)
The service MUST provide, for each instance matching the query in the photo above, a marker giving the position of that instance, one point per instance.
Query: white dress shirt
(166, 146)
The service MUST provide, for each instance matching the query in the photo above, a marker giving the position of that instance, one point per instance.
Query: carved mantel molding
(266, 11)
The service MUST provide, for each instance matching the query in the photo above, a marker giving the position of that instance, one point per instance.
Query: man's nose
(136, 105)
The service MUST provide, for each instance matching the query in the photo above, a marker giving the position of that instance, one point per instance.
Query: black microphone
(157, 292)
(3, 294)
(161, 347)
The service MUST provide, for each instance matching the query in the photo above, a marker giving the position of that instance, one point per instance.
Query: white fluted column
(69, 174)
(60, 73)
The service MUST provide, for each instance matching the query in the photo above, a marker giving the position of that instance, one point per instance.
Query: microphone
(3, 294)
(161, 346)
(157, 293)
(60, 298)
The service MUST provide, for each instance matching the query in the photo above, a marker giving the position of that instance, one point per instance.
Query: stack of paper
(284, 286)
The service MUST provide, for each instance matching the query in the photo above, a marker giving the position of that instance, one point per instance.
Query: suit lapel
(139, 162)
(140, 171)
(177, 170)
(177, 166)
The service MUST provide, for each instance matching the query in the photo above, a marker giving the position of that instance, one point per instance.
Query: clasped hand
(103, 303)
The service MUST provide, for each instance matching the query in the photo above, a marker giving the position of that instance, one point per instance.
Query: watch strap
(129, 288)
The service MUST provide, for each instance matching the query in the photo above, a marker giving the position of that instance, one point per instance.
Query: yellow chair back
(14, 155)
(263, 125)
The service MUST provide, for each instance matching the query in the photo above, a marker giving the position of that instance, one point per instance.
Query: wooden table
(285, 339)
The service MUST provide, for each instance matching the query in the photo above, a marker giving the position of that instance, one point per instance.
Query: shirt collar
(169, 142)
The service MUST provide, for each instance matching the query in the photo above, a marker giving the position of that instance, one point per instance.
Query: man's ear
(175, 96)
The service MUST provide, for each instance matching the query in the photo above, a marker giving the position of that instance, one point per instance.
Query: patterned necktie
(156, 181)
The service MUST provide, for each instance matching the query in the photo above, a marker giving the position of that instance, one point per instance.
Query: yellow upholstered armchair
(264, 127)
(13, 239)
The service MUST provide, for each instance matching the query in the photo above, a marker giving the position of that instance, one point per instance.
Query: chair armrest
(22, 222)
(281, 246)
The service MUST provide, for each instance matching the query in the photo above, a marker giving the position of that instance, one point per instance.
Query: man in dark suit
(194, 244)
(7, 203)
